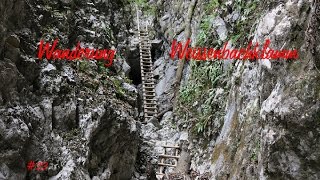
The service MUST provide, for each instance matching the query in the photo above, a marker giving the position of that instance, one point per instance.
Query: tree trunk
(182, 61)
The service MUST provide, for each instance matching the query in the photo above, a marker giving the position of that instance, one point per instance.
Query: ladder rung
(162, 164)
(149, 95)
(146, 107)
(150, 100)
(150, 103)
(168, 146)
(146, 62)
(146, 70)
(153, 91)
(147, 58)
(169, 156)
(146, 65)
(149, 85)
(150, 112)
(146, 77)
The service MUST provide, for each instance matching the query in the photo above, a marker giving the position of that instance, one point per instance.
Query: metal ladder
(148, 81)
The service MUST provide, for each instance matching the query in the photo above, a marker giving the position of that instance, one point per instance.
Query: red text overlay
(252, 52)
(77, 53)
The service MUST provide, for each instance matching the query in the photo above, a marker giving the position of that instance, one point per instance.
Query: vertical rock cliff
(233, 119)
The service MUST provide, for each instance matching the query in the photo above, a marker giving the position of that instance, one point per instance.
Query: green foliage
(201, 89)
(213, 4)
(244, 25)
(205, 30)
(144, 6)
(254, 154)
(201, 38)
(83, 65)
(188, 93)
(102, 68)
(118, 87)
(139, 3)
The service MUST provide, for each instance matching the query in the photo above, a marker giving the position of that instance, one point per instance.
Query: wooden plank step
(151, 109)
(163, 164)
(148, 80)
(145, 54)
(150, 100)
(148, 91)
(147, 87)
(150, 87)
(146, 62)
(147, 107)
(150, 104)
(148, 59)
(170, 146)
(145, 51)
(169, 156)
(146, 65)
(150, 112)
(149, 95)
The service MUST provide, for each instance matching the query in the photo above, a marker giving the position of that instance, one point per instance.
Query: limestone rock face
(234, 119)
(77, 116)
(269, 125)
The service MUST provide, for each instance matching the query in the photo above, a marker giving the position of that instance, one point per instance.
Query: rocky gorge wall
(234, 119)
(245, 119)
(78, 116)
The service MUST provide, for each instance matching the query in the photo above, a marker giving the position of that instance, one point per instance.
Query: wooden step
(153, 92)
(169, 156)
(149, 95)
(150, 104)
(163, 164)
(147, 65)
(148, 91)
(169, 146)
(145, 45)
(150, 112)
(150, 100)
(146, 61)
(147, 107)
